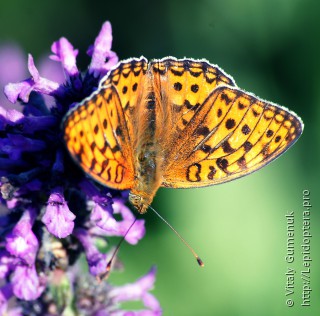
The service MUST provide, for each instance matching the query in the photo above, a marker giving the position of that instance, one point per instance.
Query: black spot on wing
(222, 163)
(230, 123)
(255, 113)
(241, 106)
(247, 146)
(115, 148)
(226, 147)
(177, 86)
(194, 88)
(212, 172)
(196, 174)
(195, 74)
(242, 163)
(93, 146)
(178, 73)
(277, 139)
(119, 131)
(206, 148)
(224, 97)
(245, 129)
(203, 131)
(134, 87)
(269, 133)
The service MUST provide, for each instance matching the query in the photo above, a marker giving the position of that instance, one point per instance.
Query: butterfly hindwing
(233, 133)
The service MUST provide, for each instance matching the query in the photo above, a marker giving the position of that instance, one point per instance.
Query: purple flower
(7, 116)
(111, 227)
(7, 263)
(22, 90)
(102, 215)
(96, 260)
(22, 242)
(27, 285)
(64, 52)
(54, 213)
(109, 298)
(58, 219)
(138, 291)
(103, 59)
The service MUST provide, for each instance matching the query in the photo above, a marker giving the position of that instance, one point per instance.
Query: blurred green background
(271, 48)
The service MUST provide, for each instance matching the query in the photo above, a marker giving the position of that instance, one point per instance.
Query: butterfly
(177, 123)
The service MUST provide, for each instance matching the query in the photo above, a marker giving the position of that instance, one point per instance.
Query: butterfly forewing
(99, 132)
(232, 134)
(98, 140)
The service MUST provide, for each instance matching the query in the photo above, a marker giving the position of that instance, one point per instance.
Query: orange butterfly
(174, 123)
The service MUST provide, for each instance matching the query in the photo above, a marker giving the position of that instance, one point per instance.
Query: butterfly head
(138, 202)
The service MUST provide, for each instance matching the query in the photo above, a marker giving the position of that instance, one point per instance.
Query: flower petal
(101, 51)
(26, 283)
(138, 290)
(138, 229)
(10, 116)
(111, 227)
(7, 263)
(96, 260)
(58, 219)
(66, 54)
(22, 242)
(22, 89)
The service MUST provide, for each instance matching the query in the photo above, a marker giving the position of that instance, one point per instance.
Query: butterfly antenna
(199, 261)
(105, 274)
